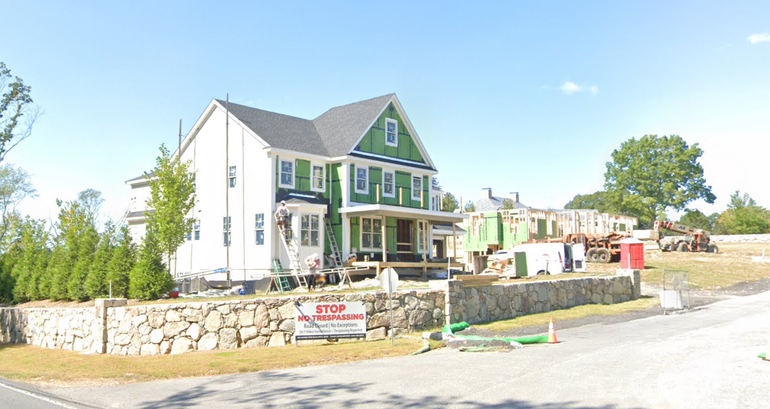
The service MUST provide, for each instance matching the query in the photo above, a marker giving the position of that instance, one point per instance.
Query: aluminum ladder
(336, 255)
(282, 281)
(292, 249)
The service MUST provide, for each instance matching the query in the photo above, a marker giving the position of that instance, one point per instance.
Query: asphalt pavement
(704, 358)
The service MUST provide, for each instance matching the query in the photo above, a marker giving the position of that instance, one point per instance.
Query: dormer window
(391, 132)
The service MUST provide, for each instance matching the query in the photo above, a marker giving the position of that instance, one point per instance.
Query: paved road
(706, 358)
(22, 396)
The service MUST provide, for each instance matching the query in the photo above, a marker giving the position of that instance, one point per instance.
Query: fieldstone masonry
(111, 327)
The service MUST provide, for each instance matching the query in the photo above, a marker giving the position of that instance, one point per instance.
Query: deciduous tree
(17, 112)
(696, 218)
(172, 196)
(653, 174)
(744, 216)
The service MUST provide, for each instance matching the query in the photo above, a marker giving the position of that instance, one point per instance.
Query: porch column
(424, 249)
(384, 244)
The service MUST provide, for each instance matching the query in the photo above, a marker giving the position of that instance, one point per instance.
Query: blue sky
(518, 96)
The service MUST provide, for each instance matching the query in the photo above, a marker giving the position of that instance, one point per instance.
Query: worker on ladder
(283, 216)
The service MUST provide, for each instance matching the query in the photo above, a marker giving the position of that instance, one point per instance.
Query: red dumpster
(632, 254)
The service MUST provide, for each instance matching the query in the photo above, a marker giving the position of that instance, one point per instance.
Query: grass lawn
(705, 271)
(33, 364)
(580, 311)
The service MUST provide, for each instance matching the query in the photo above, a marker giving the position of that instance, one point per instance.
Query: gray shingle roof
(331, 134)
(494, 203)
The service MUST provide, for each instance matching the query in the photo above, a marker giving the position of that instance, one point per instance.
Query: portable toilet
(632, 254)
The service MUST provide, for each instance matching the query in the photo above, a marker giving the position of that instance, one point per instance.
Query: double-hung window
(317, 178)
(232, 176)
(309, 231)
(388, 183)
(371, 233)
(259, 228)
(196, 230)
(362, 180)
(287, 174)
(226, 230)
(391, 132)
(416, 187)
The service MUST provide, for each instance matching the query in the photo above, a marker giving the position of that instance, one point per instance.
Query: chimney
(514, 196)
(488, 192)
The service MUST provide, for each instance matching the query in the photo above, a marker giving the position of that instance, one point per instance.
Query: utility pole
(227, 185)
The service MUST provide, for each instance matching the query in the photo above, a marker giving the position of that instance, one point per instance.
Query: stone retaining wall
(741, 238)
(201, 326)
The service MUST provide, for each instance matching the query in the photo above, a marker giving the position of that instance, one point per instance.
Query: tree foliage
(744, 216)
(652, 174)
(172, 196)
(121, 263)
(696, 218)
(149, 279)
(15, 186)
(449, 203)
(31, 261)
(508, 204)
(17, 112)
(601, 201)
(469, 207)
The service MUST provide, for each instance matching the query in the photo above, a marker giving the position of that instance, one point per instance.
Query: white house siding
(247, 198)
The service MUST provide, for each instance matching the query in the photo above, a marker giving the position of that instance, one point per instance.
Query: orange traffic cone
(551, 333)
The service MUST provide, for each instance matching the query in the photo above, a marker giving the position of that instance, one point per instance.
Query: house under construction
(492, 228)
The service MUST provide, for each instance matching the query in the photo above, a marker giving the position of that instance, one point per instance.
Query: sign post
(389, 282)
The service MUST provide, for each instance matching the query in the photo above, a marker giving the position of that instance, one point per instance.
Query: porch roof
(403, 213)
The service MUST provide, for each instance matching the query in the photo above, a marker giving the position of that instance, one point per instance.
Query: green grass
(581, 311)
(33, 364)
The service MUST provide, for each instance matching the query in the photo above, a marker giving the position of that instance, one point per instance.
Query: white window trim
(393, 193)
(387, 121)
(323, 177)
(417, 194)
(310, 229)
(280, 173)
(361, 233)
(365, 191)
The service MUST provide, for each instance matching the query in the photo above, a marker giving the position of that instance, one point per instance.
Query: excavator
(693, 240)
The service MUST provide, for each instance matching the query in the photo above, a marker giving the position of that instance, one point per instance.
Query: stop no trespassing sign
(330, 320)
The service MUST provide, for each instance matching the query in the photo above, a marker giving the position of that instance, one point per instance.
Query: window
(287, 174)
(362, 180)
(420, 238)
(232, 176)
(309, 232)
(195, 231)
(226, 230)
(317, 178)
(388, 183)
(391, 132)
(371, 233)
(416, 187)
(259, 228)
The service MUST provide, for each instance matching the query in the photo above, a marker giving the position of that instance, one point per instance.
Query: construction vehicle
(694, 239)
(599, 248)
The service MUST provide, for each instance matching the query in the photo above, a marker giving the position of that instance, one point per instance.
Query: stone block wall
(201, 326)
(497, 302)
(741, 238)
(75, 329)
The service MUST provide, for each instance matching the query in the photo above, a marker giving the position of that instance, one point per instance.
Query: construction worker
(283, 216)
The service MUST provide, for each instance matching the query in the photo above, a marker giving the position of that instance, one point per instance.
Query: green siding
(403, 184)
(374, 140)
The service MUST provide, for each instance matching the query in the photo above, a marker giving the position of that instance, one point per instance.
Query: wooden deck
(424, 265)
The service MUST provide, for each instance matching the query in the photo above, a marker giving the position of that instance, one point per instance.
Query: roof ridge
(353, 103)
(262, 110)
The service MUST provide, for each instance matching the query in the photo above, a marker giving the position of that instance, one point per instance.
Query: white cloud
(759, 38)
(570, 87)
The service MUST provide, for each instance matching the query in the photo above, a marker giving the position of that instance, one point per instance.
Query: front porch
(400, 237)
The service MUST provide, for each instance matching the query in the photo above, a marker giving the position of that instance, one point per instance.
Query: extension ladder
(292, 249)
(336, 255)
(281, 282)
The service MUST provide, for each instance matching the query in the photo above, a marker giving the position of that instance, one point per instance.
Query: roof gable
(341, 127)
